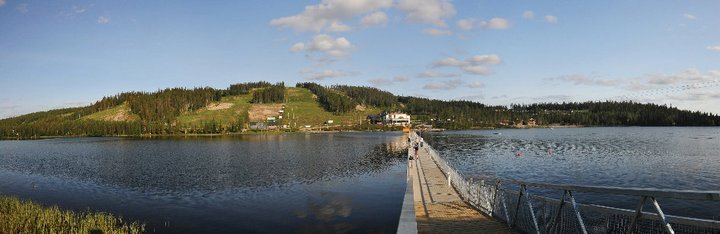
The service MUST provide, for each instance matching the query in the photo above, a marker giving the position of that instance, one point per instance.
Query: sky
(65, 53)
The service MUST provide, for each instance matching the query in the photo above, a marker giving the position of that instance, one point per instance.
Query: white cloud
(476, 65)
(466, 24)
(528, 14)
(75, 103)
(325, 74)
(2, 3)
(298, 47)
(715, 48)
(476, 97)
(22, 8)
(536, 99)
(504, 96)
(476, 84)
(493, 59)
(79, 9)
(689, 16)
(478, 70)
(437, 32)
(380, 82)
(690, 75)
(434, 74)
(76, 10)
(319, 17)
(580, 79)
(496, 23)
(376, 18)
(554, 98)
(695, 96)
(383, 82)
(427, 11)
(325, 44)
(445, 85)
(450, 62)
(338, 27)
(400, 78)
(551, 19)
(103, 20)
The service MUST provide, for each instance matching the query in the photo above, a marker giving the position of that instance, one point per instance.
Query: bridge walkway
(439, 208)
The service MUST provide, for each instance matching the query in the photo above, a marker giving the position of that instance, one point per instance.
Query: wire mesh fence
(518, 205)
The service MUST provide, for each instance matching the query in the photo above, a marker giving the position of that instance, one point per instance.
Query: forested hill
(235, 109)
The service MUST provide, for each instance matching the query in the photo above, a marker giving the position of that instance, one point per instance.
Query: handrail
(650, 192)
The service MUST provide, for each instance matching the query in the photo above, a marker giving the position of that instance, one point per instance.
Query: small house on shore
(394, 119)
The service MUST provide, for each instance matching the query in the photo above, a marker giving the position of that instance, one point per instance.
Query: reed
(24, 216)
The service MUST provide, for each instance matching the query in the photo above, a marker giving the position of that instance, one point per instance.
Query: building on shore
(394, 119)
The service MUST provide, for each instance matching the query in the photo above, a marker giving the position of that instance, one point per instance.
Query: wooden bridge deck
(439, 208)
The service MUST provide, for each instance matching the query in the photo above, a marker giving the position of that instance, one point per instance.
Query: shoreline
(192, 134)
(312, 132)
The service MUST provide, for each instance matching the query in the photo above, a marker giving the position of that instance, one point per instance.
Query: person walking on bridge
(416, 146)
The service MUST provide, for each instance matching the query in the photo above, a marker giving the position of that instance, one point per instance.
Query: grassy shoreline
(24, 216)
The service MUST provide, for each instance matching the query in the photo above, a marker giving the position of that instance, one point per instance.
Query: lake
(685, 158)
(314, 183)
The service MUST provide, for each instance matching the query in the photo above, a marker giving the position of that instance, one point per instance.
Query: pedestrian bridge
(440, 199)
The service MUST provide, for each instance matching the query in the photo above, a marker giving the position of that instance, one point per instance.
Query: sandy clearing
(260, 112)
(122, 115)
(219, 106)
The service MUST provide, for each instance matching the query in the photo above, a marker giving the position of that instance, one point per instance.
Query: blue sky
(70, 53)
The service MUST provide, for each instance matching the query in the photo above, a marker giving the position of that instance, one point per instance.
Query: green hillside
(230, 110)
(302, 109)
(117, 113)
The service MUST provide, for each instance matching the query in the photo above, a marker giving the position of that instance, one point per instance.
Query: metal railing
(510, 201)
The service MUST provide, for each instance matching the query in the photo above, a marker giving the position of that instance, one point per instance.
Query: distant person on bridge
(416, 146)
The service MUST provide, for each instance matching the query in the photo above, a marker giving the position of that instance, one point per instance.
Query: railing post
(638, 215)
(505, 210)
(577, 212)
(532, 211)
(556, 222)
(517, 207)
(494, 200)
(666, 224)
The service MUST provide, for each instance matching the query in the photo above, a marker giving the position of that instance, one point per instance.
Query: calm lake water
(686, 158)
(318, 183)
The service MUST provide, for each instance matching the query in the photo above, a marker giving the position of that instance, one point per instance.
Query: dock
(438, 207)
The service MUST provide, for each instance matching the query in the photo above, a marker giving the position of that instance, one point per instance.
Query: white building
(398, 119)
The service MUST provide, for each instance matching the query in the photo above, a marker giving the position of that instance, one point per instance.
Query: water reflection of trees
(274, 162)
(209, 164)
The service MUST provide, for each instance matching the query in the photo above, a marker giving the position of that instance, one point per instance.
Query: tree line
(461, 114)
(270, 94)
(370, 96)
(244, 88)
(158, 111)
(331, 100)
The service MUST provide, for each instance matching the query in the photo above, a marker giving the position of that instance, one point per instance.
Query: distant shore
(276, 132)
(197, 134)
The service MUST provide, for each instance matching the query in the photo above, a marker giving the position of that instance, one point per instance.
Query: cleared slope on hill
(118, 113)
(228, 111)
(303, 109)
